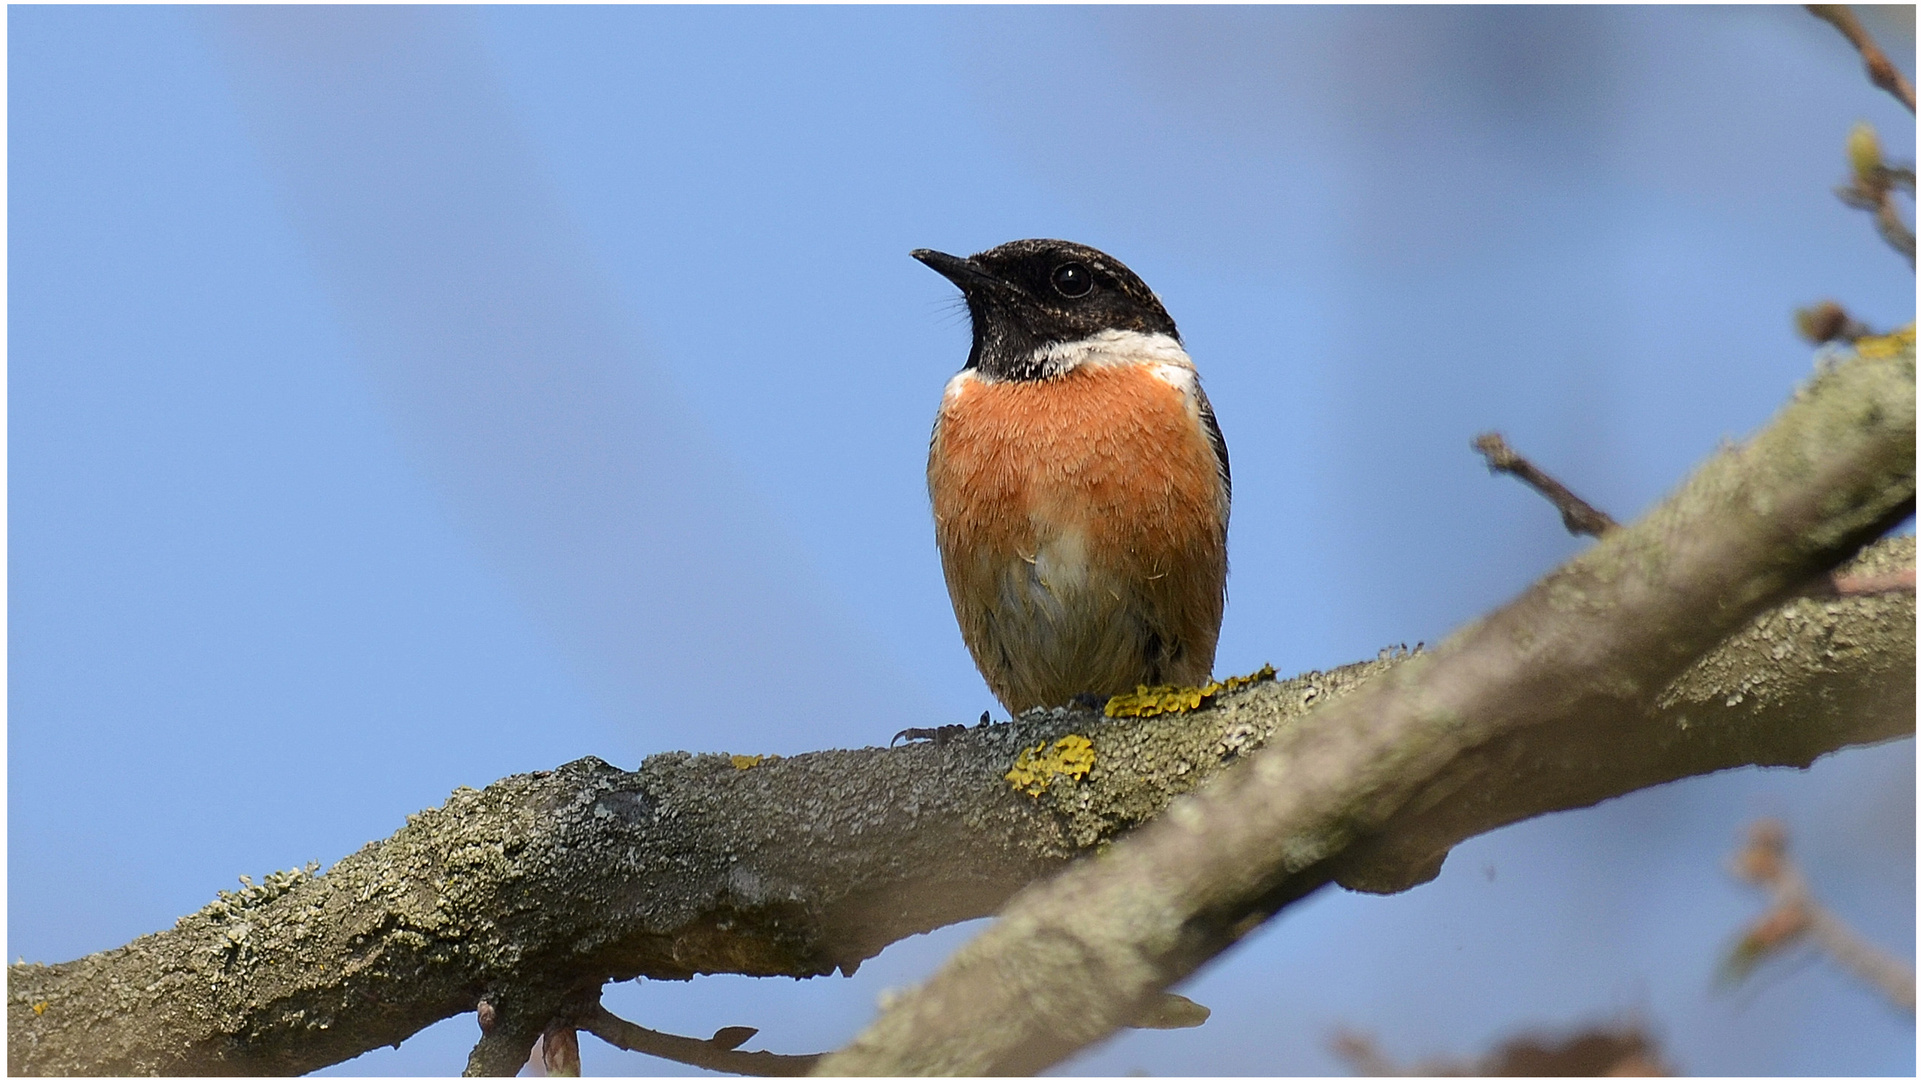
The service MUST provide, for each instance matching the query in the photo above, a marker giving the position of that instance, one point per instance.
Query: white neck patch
(1112, 348)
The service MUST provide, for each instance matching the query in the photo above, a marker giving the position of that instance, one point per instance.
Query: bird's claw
(939, 735)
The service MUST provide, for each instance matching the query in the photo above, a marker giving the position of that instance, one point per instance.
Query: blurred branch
(1828, 321)
(1797, 916)
(1777, 665)
(1580, 655)
(1881, 70)
(1581, 518)
(1615, 1050)
(1868, 584)
(519, 901)
(1873, 186)
(559, 1050)
(1362, 1056)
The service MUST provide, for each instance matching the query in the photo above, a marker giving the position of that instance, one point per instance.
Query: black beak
(963, 272)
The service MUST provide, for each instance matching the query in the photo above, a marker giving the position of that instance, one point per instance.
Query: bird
(1079, 481)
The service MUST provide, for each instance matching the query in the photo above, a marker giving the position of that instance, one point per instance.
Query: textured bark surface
(1801, 679)
(545, 885)
(815, 862)
(1549, 676)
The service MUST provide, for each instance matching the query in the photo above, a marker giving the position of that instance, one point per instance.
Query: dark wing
(1215, 440)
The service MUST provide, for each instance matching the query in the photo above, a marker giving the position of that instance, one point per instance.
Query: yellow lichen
(1890, 344)
(1034, 771)
(40, 1007)
(1159, 700)
(748, 761)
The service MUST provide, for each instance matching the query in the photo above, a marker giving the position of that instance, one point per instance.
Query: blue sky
(403, 398)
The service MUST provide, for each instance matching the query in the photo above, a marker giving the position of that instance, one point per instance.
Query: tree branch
(1881, 70)
(1583, 651)
(1828, 321)
(1617, 1049)
(1577, 514)
(524, 898)
(1796, 915)
(705, 1053)
(1843, 683)
(1872, 187)
(1775, 693)
(1857, 585)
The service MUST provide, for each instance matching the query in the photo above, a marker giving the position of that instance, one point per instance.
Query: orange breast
(1082, 527)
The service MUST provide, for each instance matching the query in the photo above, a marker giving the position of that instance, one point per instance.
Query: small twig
(1873, 584)
(560, 1050)
(1840, 583)
(717, 1053)
(1881, 70)
(1620, 1049)
(511, 1023)
(1169, 1012)
(526, 1027)
(1887, 221)
(1873, 186)
(1828, 321)
(1796, 915)
(500, 1052)
(1874, 194)
(1581, 518)
(1362, 1056)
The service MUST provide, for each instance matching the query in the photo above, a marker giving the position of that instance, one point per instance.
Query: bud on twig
(1864, 154)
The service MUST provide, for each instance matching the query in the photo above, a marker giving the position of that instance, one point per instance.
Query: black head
(1026, 295)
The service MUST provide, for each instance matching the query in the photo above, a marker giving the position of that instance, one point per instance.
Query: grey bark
(1577, 654)
(812, 863)
(531, 894)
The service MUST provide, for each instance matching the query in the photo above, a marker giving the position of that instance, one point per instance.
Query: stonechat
(1079, 481)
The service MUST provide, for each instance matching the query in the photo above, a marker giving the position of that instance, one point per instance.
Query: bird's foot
(939, 735)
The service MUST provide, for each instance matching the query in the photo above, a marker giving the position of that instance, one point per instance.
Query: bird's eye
(1073, 280)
